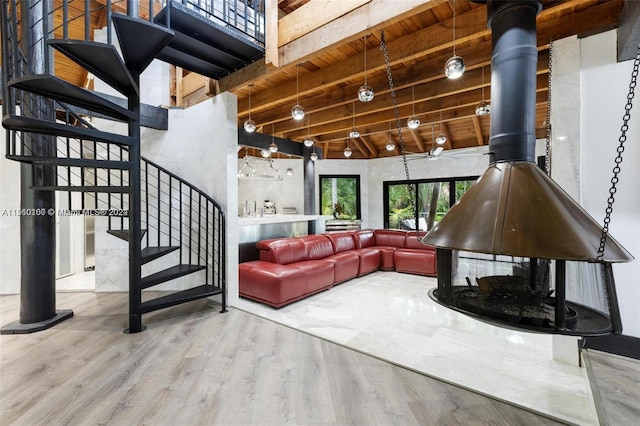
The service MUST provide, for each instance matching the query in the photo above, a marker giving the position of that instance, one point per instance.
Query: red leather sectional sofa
(291, 269)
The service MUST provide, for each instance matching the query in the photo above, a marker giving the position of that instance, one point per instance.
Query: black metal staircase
(163, 218)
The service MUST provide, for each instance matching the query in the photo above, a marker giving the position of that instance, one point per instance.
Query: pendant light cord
(454, 27)
(622, 139)
(547, 152)
(365, 59)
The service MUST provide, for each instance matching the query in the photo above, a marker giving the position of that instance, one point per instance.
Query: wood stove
(516, 249)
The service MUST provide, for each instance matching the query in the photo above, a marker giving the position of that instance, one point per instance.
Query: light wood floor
(194, 365)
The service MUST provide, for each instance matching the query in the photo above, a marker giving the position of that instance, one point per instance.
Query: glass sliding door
(431, 198)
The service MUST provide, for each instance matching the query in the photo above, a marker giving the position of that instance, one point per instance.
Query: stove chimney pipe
(513, 73)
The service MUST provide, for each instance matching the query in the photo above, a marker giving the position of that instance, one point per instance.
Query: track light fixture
(365, 92)
(455, 66)
(297, 112)
(249, 124)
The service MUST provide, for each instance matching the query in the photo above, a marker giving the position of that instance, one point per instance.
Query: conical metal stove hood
(514, 208)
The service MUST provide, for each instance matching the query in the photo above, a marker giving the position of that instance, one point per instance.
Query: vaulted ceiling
(418, 46)
(418, 41)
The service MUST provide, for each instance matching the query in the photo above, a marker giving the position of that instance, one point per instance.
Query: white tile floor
(389, 315)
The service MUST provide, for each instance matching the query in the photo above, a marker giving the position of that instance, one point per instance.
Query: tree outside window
(340, 196)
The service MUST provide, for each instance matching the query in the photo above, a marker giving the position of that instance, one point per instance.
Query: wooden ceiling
(418, 43)
(418, 47)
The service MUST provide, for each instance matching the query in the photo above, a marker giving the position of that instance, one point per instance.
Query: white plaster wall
(288, 192)
(9, 224)
(603, 87)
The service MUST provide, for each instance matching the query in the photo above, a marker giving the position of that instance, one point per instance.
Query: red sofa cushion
(318, 246)
(413, 240)
(390, 237)
(282, 250)
(345, 266)
(369, 260)
(341, 241)
(364, 238)
(415, 261)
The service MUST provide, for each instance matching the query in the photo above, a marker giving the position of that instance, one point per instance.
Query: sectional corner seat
(293, 268)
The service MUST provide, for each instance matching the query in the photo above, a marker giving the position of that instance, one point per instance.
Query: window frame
(358, 192)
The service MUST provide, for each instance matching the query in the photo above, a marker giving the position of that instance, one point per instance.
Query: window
(340, 196)
(433, 198)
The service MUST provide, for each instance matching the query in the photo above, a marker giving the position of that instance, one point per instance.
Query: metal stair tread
(123, 234)
(153, 253)
(102, 60)
(140, 40)
(169, 274)
(179, 297)
(56, 88)
(33, 125)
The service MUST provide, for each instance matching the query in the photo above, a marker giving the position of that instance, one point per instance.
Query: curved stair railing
(175, 228)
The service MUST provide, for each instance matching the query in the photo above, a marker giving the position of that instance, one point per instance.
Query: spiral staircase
(50, 128)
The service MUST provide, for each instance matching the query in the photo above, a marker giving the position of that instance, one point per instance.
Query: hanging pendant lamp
(249, 124)
(313, 156)
(273, 148)
(347, 151)
(297, 112)
(441, 139)
(391, 145)
(308, 142)
(484, 107)
(413, 122)
(455, 66)
(354, 133)
(365, 92)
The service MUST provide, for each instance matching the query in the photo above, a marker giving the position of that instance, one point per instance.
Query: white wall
(288, 192)
(604, 86)
(9, 223)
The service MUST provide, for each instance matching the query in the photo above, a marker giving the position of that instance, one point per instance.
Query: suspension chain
(383, 47)
(622, 139)
(547, 157)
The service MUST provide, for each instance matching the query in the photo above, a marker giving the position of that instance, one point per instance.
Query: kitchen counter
(277, 218)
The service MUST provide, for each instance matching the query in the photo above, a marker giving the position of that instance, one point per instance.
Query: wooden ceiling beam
(417, 139)
(478, 128)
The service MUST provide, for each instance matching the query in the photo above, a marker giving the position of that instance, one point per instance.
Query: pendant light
(365, 93)
(347, 151)
(289, 169)
(249, 124)
(484, 107)
(354, 133)
(297, 112)
(413, 122)
(273, 147)
(247, 170)
(435, 152)
(441, 138)
(455, 66)
(308, 142)
(391, 145)
(313, 156)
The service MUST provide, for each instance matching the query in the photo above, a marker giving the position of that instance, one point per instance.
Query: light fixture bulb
(365, 93)
(297, 112)
(483, 108)
(413, 122)
(454, 68)
(313, 156)
(390, 145)
(273, 147)
(249, 125)
(308, 143)
(347, 152)
(265, 153)
(354, 133)
(289, 171)
(441, 139)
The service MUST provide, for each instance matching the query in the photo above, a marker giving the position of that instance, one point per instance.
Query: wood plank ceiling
(418, 46)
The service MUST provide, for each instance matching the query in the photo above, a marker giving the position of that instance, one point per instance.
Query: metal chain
(383, 47)
(547, 157)
(622, 139)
